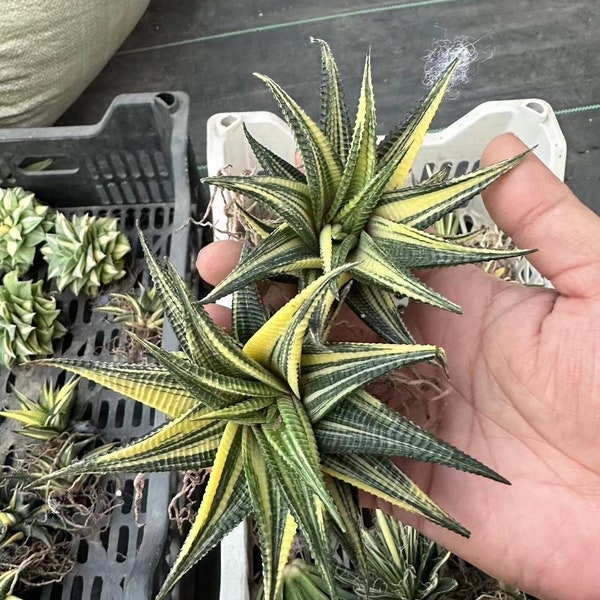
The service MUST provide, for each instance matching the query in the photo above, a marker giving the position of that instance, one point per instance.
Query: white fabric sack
(50, 50)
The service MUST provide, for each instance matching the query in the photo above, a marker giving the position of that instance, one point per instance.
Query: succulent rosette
(85, 253)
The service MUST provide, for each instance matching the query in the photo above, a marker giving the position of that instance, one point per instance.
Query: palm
(520, 366)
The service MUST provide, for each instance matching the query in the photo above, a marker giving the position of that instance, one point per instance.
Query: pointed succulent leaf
(408, 141)
(306, 507)
(211, 345)
(375, 267)
(422, 205)
(376, 308)
(322, 166)
(187, 442)
(335, 122)
(275, 525)
(364, 425)
(287, 199)
(359, 167)
(151, 385)
(224, 505)
(248, 311)
(351, 536)
(278, 344)
(273, 164)
(261, 228)
(382, 478)
(409, 248)
(293, 441)
(281, 252)
(210, 388)
(330, 375)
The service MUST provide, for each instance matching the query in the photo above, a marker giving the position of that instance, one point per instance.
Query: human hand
(525, 396)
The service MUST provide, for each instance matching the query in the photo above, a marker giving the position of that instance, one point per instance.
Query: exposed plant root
(474, 584)
(183, 506)
(66, 509)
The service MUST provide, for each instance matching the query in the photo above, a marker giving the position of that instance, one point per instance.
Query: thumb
(539, 211)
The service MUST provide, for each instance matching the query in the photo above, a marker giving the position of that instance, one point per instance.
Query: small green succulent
(24, 223)
(85, 253)
(140, 312)
(49, 416)
(28, 320)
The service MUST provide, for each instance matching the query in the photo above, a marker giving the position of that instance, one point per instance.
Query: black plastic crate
(137, 165)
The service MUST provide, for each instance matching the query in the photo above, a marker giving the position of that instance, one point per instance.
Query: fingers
(539, 211)
(217, 260)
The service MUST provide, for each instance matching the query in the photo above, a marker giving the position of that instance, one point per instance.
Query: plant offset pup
(278, 412)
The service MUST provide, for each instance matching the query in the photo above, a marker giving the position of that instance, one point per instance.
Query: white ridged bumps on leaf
(85, 253)
(28, 320)
(24, 223)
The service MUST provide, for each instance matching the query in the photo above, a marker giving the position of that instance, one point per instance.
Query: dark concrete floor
(209, 48)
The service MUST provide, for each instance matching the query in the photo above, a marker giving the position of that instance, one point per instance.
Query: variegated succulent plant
(85, 253)
(277, 411)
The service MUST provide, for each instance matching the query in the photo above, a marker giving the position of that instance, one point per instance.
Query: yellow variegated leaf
(423, 205)
(330, 375)
(380, 477)
(359, 168)
(375, 267)
(186, 442)
(408, 144)
(278, 344)
(410, 248)
(224, 504)
(251, 410)
(148, 384)
(275, 525)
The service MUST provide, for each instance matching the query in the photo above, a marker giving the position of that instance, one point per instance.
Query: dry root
(183, 506)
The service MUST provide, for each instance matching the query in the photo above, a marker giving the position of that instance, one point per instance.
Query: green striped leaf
(330, 375)
(281, 252)
(184, 443)
(151, 385)
(335, 122)
(293, 441)
(287, 199)
(306, 507)
(248, 312)
(212, 345)
(275, 525)
(322, 166)
(250, 411)
(224, 505)
(422, 205)
(409, 248)
(359, 168)
(262, 228)
(273, 164)
(407, 141)
(364, 425)
(382, 478)
(217, 391)
(278, 344)
(375, 267)
(376, 308)
(351, 536)
(171, 302)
